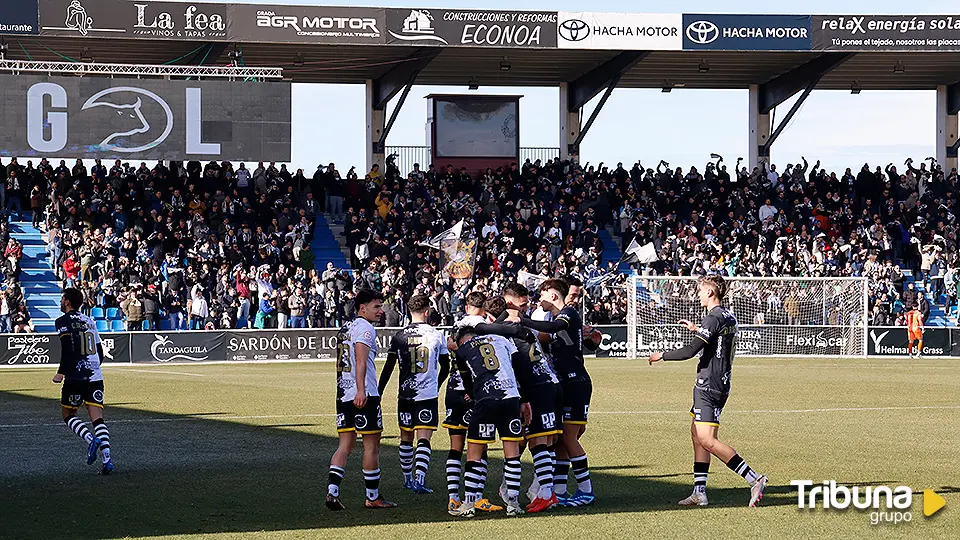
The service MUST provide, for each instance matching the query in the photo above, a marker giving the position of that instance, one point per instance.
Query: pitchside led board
(144, 119)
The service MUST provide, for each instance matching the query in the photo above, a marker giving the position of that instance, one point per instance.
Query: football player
(358, 401)
(82, 378)
(486, 366)
(424, 363)
(716, 342)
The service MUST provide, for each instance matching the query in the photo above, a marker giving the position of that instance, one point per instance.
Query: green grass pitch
(238, 451)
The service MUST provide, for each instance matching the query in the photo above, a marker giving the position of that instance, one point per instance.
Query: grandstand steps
(611, 250)
(38, 281)
(328, 246)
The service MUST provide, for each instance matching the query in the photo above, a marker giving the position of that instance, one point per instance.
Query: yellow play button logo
(932, 503)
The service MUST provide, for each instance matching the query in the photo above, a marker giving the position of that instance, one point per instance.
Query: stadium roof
(527, 67)
(323, 44)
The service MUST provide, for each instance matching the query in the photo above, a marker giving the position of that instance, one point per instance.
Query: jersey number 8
(489, 355)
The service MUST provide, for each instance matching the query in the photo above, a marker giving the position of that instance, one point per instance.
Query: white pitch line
(618, 413)
(162, 372)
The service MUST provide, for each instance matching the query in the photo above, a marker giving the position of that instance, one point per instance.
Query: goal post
(778, 317)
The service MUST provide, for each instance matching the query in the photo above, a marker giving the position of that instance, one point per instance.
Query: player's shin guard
(333, 481)
(79, 428)
(371, 479)
(700, 471)
(582, 473)
(739, 466)
(511, 476)
(560, 471)
(406, 459)
(543, 469)
(101, 432)
(423, 460)
(473, 482)
(454, 469)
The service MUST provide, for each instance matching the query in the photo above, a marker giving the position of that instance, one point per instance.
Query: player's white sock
(543, 468)
(511, 476)
(582, 473)
(406, 459)
(333, 483)
(454, 468)
(79, 428)
(104, 435)
(560, 470)
(371, 480)
(422, 460)
(739, 466)
(700, 472)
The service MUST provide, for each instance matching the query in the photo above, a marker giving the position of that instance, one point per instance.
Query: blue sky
(683, 127)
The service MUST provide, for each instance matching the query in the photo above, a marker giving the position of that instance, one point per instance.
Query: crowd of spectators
(188, 245)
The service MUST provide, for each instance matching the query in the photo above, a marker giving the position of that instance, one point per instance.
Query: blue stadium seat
(117, 326)
(145, 325)
(113, 314)
(165, 325)
(96, 313)
(102, 326)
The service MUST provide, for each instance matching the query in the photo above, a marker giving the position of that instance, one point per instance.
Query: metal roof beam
(588, 85)
(780, 89)
(401, 75)
(953, 98)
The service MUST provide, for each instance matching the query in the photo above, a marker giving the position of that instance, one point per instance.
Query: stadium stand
(216, 246)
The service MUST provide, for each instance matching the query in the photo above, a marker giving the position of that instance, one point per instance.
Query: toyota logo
(702, 32)
(574, 30)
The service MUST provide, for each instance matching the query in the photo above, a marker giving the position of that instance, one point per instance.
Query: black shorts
(546, 406)
(707, 406)
(495, 415)
(365, 421)
(415, 415)
(458, 412)
(75, 393)
(576, 401)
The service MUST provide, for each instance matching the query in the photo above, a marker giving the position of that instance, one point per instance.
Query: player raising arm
(716, 342)
(80, 356)
(358, 401)
(424, 363)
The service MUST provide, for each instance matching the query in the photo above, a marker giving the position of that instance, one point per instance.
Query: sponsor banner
(747, 32)
(758, 340)
(126, 19)
(19, 17)
(620, 31)
(892, 341)
(472, 28)
(116, 347)
(306, 24)
(163, 347)
(614, 342)
(145, 119)
(886, 32)
(42, 349)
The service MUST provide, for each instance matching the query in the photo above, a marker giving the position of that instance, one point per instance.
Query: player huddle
(507, 375)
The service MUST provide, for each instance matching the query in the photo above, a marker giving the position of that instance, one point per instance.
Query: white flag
(641, 254)
(530, 281)
(449, 234)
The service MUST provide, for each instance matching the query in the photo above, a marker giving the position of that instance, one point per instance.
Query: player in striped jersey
(486, 365)
(421, 351)
(358, 401)
(80, 357)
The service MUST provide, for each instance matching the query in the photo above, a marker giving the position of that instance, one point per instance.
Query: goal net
(776, 316)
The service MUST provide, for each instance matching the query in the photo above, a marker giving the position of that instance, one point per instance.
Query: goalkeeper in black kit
(716, 342)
